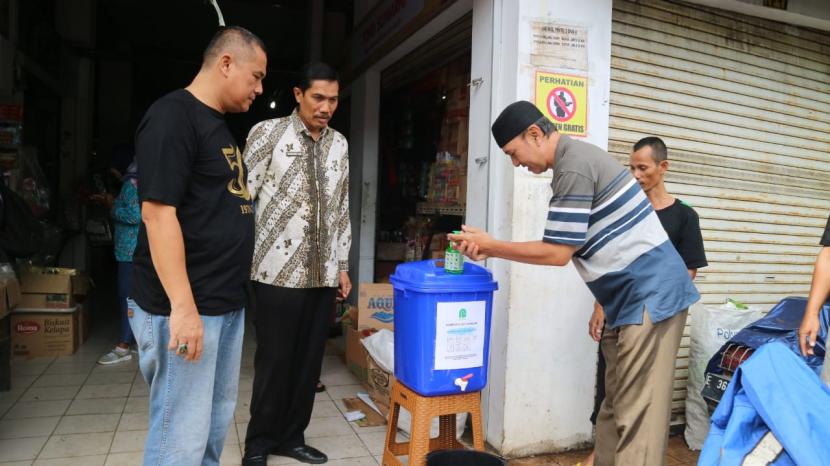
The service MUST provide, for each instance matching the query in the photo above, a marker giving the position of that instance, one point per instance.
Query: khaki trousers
(633, 422)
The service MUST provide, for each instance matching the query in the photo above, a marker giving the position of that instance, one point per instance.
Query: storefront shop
(423, 147)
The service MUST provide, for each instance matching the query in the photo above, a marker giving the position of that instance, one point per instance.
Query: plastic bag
(6, 273)
(381, 347)
(711, 328)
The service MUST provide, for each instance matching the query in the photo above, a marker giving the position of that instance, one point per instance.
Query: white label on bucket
(459, 335)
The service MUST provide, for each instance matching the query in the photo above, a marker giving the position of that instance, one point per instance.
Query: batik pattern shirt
(126, 216)
(623, 253)
(301, 190)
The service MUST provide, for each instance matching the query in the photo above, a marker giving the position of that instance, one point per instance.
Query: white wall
(541, 335)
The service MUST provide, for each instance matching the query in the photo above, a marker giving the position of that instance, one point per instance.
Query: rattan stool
(423, 409)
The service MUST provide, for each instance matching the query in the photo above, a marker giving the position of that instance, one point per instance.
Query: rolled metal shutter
(744, 107)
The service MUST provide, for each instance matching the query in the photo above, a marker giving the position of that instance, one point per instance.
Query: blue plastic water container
(442, 327)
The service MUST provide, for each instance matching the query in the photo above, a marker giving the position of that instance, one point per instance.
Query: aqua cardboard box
(376, 307)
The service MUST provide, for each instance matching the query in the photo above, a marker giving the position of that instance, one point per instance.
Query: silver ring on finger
(182, 348)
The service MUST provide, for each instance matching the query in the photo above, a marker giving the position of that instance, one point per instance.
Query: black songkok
(514, 119)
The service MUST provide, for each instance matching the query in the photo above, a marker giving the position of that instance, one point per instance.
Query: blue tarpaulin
(775, 411)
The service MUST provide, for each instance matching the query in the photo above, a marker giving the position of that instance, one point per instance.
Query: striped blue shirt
(623, 253)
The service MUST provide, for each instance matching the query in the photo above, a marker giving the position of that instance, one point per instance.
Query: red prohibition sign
(561, 104)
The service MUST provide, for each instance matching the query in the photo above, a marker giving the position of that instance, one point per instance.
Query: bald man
(194, 253)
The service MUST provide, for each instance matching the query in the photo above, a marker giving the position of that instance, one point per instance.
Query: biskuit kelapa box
(45, 332)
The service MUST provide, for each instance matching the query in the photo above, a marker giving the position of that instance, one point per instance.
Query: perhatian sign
(563, 99)
(558, 45)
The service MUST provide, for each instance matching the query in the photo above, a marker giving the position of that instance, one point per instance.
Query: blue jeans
(125, 279)
(191, 404)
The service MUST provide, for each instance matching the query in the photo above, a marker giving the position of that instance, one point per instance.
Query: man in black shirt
(649, 163)
(194, 253)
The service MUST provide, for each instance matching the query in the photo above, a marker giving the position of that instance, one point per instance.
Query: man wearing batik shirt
(600, 219)
(299, 178)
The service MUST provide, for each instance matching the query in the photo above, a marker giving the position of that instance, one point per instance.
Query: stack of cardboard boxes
(50, 319)
(9, 299)
(375, 311)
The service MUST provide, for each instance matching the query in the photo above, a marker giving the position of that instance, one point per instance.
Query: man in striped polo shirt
(600, 219)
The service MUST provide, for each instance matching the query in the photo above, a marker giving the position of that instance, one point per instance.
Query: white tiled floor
(71, 411)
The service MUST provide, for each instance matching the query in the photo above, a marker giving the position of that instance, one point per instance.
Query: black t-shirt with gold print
(188, 158)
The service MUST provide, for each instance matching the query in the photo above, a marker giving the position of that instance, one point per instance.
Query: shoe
(320, 387)
(115, 356)
(303, 454)
(258, 460)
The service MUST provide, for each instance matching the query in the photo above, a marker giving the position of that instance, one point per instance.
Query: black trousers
(291, 329)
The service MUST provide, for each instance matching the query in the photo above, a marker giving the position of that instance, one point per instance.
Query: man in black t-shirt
(649, 163)
(194, 253)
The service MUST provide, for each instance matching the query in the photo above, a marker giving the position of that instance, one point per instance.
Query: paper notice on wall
(559, 45)
(459, 337)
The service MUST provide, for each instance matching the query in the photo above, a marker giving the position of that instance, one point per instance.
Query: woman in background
(126, 215)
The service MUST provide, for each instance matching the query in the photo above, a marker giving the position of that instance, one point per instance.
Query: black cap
(514, 119)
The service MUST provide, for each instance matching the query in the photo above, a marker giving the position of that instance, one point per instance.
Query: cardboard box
(52, 287)
(379, 383)
(33, 281)
(356, 354)
(376, 307)
(13, 293)
(44, 332)
(46, 301)
(80, 284)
